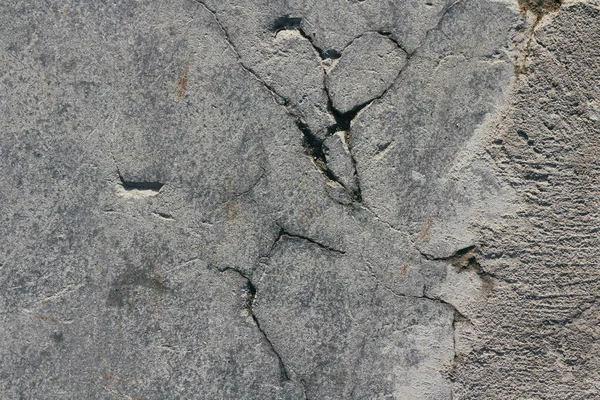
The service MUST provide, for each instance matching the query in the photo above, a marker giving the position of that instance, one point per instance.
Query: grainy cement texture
(271, 199)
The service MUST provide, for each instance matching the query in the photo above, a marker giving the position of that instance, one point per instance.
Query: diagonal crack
(279, 98)
(250, 291)
(314, 148)
(283, 234)
(409, 55)
(313, 145)
(343, 121)
(330, 54)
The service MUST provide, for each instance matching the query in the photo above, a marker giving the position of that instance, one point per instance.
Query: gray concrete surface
(258, 199)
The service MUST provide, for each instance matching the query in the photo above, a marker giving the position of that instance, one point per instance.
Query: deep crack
(343, 121)
(313, 144)
(250, 291)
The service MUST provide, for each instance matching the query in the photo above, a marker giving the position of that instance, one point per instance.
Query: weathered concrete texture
(298, 200)
(346, 358)
(372, 58)
(537, 333)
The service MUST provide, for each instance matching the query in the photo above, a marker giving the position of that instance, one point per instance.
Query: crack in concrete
(463, 259)
(409, 56)
(312, 143)
(279, 98)
(539, 8)
(344, 120)
(457, 315)
(330, 54)
(251, 291)
(314, 148)
(283, 234)
(403, 295)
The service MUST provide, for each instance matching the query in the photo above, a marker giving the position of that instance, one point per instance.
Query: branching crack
(250, 292)
(283, 234)
(465, 259)
(313, 144)
(456, 315)
(403, 295)
(343, 121)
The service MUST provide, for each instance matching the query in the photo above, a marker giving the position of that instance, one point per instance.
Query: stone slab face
(337, 199)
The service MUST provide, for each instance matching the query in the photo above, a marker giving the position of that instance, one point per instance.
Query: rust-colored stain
(183, 82)
(425, 233)
(113, 380)
(404, 269)
(233, 209)
(540, 6)
(46, 319)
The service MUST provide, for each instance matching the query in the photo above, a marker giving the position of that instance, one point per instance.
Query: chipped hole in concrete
(163, 215)
(522, 134)
(137, 189)
(287, 23)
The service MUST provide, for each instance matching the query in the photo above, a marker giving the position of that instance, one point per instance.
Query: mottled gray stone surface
(259, 199)
(368, 66)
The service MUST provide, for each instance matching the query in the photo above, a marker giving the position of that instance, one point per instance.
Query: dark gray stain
(57, 337)
(123, 286)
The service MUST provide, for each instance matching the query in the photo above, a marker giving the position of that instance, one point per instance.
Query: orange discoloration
(183, 82)
(404, 269)
(233, 209)
(46, 319)
(425, 233)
